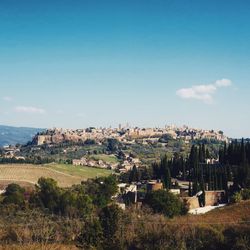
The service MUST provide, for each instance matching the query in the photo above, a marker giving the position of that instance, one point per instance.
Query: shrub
(91, 236)
(204, 237)
(236, 198)
(14, 194)
(245, 193)
(162, 201)
(237, 237)
(110, 219)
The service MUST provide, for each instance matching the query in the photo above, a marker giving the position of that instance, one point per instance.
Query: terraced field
(65, 175)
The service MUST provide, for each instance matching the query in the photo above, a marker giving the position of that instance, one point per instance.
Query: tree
(165, 138)
(183, 163)
(190, 189)
(134, 175)
(67, 203)
(110, 217)
(75, 203)
(167, 178)
(101, 190)
(91, 236)
(48, 193)
(14, 194)
(112, 145)
(84, 205)
(202, 197)
(162, 201)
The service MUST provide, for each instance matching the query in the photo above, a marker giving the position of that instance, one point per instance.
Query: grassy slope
(79, 171)
(105, 158)
(230, 214)
(65, 175)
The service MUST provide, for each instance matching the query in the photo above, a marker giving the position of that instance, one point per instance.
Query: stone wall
(212, 198)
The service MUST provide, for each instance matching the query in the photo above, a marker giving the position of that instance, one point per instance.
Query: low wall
(211, 198)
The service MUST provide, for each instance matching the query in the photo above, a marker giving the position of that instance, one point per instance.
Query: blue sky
(149, 63)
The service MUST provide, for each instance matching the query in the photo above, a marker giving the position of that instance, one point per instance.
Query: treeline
(236, 157)
(233, 165)
(28, 160)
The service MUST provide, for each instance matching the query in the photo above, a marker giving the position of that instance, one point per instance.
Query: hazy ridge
(12, 135)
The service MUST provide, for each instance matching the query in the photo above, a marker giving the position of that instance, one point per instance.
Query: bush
(162, 201)
(236, 198)
(245, 193)
(14, 194)
(204, 237)
(48, 194)
(91, 236)
(110, 219)
(237, 237)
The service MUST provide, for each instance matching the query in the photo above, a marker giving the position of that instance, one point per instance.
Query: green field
(65, 175)
(79, 171)
(105, 158)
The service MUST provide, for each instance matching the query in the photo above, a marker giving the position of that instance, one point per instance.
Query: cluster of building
(123, 165)
(126, 134)
(94, 163)
(11, 152)
(135, 193)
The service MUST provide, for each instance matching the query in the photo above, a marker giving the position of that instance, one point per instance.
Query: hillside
(65, 175)
(13, 135)
(231, 214)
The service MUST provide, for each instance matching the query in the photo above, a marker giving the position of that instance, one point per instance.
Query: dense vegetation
(231, 172)
(85, 216)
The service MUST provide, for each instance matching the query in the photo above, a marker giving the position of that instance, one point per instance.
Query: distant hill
(13, 135)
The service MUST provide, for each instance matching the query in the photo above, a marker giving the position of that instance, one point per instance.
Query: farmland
(83, 172)
(65, 175)
(105, 158)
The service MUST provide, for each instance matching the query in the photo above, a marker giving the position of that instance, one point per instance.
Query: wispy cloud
(203, 92)
(29, 110)
(7, 98)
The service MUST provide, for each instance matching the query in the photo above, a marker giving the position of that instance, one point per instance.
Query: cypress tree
(190, 192)
(207, 154)
(225, 153)
(183, 164)
(220, 182)
(225, 182)
(202, 197)
(200, 154)
(203, 153)
(195, 186)
(167, 180)
(215, 180)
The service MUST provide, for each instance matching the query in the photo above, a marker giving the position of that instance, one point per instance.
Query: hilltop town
(126, 134)
(113, 148)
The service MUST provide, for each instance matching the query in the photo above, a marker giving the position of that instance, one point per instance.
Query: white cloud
(203, 92)
(223, 83)
(7, 98)
(29, 110)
